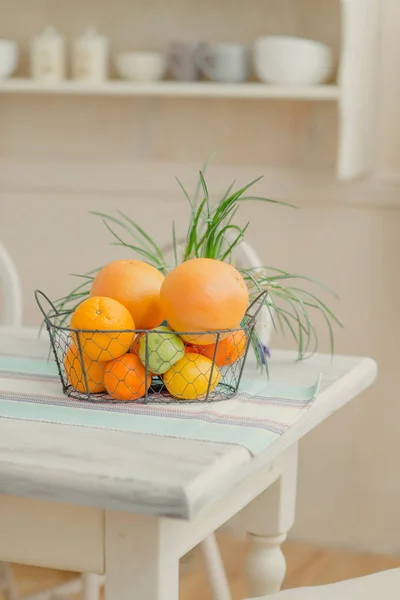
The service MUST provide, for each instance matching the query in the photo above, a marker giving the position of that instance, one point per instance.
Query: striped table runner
(261, 412)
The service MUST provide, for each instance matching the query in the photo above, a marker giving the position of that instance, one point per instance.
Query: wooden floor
(307, 565)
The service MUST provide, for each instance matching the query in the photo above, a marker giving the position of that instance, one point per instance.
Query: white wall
(349, 491)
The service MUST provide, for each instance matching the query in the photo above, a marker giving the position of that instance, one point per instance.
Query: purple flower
(264, 352)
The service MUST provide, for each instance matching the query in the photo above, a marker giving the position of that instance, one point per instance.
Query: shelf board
(174, 89)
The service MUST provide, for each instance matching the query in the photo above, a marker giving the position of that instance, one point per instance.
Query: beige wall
(388, 157)
(349, 488)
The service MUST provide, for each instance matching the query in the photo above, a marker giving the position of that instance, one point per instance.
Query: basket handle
(257, 303)
(40, 296)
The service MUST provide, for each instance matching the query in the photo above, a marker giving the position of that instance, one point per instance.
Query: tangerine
(125, 378)
(75, 370)
(226, 352)
(105, 328)
(191, 377)
(203, 295)
(136, 285)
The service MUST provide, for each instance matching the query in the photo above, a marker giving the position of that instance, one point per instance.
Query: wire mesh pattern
(145, 366)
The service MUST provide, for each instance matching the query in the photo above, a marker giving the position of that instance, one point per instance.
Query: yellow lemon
(189, 378)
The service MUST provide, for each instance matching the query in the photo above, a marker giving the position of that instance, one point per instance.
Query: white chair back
(10, 291)
(247, 257)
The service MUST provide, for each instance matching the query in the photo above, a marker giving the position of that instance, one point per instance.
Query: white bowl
(292, 61)
(8, 58)
(141, 66)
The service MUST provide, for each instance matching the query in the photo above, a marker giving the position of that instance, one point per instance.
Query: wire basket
(148, 366)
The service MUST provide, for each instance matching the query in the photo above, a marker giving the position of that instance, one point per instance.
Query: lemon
(189, 378)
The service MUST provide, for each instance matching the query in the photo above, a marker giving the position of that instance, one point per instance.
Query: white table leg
(7, 582)
(91, 584)
(215, 569)
(141, 558)
(268, 519)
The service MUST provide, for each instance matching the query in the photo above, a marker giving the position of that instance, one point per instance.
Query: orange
(228, 351)
(105, 328)
(125, 378)
(74, 372)
(136, 285)
(204, 295)
(189, 378)
(194, 349)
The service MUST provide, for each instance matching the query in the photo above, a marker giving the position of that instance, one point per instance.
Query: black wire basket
(149, 366)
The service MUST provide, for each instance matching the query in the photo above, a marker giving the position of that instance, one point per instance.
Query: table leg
(91, 584)
(141, 558)
(215, 569)
(268, 518)
(7, 582)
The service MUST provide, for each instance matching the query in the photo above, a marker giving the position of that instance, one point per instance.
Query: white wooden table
(130, 505)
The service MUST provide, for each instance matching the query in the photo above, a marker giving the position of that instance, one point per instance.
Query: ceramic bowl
(141, 66)
(8, 58)
(285, 60)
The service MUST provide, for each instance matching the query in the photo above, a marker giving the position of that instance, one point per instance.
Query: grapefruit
(136, 285)
(203, 295)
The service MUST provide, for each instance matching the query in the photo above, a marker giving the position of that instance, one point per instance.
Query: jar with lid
(90, 57)
(47, 56)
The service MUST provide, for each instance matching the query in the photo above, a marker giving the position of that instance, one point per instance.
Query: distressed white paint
(141, 473)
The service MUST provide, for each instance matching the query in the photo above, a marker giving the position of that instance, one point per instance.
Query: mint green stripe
(266, 389)
(259, 386)
(30, 366)
(254, 440)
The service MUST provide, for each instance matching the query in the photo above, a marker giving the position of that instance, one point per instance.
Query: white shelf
(355, 95)
(174, 89)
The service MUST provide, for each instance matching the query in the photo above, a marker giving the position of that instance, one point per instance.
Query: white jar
(90, 57)
(48, 56)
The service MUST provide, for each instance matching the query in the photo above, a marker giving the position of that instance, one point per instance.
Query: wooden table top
(154, 474)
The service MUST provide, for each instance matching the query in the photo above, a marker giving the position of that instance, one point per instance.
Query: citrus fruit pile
(183, 328)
